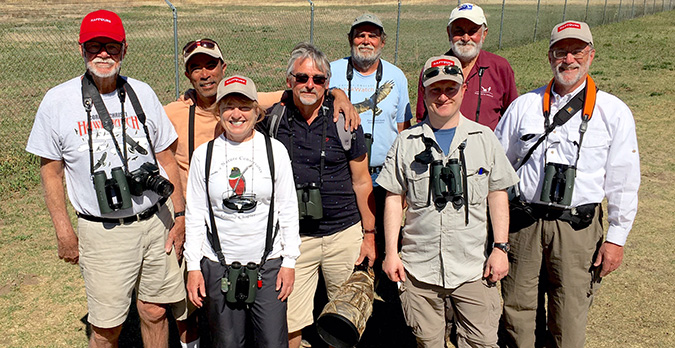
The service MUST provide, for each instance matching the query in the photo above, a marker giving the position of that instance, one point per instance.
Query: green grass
(42, 299)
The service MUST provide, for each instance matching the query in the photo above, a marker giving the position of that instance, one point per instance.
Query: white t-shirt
(241, 168)
(60, 133)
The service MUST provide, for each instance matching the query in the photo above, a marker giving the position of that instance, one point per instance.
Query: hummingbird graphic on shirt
(237, 181)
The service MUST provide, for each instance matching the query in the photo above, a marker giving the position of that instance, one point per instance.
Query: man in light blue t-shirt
(377, 87)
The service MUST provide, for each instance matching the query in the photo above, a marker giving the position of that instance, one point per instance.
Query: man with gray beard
(109, 137)
(491, 86)
(573, 146)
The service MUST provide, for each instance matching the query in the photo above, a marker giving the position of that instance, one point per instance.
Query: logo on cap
(232, 80)
(101, 20)
(569, 25)
(440, 62)
(465, 7)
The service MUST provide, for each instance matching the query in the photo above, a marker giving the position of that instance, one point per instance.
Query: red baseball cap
(102, 23)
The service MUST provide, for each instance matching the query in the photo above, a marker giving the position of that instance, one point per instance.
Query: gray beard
(363, 61)
(467, 51)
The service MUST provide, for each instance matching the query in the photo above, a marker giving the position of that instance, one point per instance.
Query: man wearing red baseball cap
(573, 146)
(123, 182)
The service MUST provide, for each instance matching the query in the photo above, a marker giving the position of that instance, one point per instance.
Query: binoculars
(446, 183)
(112, 193)
(558, 184)
(309, 201)
(241, 283)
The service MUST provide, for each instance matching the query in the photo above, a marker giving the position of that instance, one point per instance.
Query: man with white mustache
(106, 133)
(567, 164)
(379, 90)
(491, 86)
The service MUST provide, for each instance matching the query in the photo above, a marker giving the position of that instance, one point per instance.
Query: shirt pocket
(478, 186)
(418, 188)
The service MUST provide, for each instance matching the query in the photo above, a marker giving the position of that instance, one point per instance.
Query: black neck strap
(272, 230)
(378, 78)
(323, 112)
(191, 131)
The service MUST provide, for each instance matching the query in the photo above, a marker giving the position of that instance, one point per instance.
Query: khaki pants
(550, 255)
(476, 307)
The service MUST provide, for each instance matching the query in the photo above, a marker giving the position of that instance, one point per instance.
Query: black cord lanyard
(378, 78)
(481, 71)
(323, 111)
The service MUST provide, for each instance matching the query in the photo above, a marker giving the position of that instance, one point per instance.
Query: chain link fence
(38, 45)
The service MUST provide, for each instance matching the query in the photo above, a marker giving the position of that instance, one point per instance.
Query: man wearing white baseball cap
(491, 86)
(448, 169)
(573, 146)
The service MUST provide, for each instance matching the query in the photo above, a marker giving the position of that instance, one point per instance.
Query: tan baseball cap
(237, 84)
(571, 30)
(469, 11)
(204, 46)
(442, 68)
(367, 18)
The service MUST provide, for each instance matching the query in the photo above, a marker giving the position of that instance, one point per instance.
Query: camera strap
(212, 233)
(462, 160)
(378, 78)
(584, 99)
(92, 97)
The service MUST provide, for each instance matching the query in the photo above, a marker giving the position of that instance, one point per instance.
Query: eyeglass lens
(303, 78)
(93, 47)
(192, 45)
(577, 53)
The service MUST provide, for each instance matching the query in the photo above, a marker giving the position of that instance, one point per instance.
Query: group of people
(230, 202)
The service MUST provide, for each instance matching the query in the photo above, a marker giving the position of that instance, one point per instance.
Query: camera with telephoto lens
(242, 283)
(147, 177)
(446, 183)
(309, 201)
(112, 193)
(558, 184)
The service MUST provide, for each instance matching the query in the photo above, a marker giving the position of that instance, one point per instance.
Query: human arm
(497, 265)
(393, 214)
(363, 188)
(419, 111)
(176, 236)
(196, 288)
(342, 104)
(268, 99)
(401, 126)
(51, 173)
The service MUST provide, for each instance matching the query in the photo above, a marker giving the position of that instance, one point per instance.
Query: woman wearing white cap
(241, 225)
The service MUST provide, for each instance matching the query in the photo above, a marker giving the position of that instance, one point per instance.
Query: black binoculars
(446, 183)
(309, 201)
(241, 283)
(558, 184)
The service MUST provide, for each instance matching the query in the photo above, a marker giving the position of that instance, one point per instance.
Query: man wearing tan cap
(449, 170)
(109, 136)
(491, 86)
(573, 146)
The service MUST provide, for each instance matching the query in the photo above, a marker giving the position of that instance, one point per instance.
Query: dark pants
(227, 322)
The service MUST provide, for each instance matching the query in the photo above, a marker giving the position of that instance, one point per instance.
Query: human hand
(497, 266)
(341, 104)
(176, 238)
(285, 281)
(68, 250)
(367, 250)
(393, 267)
(610, 257)
(195, 288)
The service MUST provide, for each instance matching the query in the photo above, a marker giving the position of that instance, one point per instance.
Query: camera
(446, 183)
(147, 177)
(242, 283)
(112, 193)
(309, 201)
(558, 184)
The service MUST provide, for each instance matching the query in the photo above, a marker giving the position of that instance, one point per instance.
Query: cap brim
(92, 35)
(443, 77)
(201, 50)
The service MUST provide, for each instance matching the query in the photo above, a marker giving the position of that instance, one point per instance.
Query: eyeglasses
(240, 203)
(303, 78)
(446, 69)
(192, 45)
(94, 47)
(562, 54)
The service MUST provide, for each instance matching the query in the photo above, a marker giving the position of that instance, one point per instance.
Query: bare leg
(154, 324)
(294, 339)
(187, 329)
(104, 338)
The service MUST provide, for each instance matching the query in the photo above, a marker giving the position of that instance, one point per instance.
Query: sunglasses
(303, 78)
(240, 203)
(562, 54)
(94, 47)
(192, 45)
(446, 69)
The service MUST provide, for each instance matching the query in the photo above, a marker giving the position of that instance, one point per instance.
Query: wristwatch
(178, 213)
(505, 247)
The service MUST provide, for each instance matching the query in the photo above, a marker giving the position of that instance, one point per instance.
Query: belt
(375, 170)
(545, 212)
(144, 215)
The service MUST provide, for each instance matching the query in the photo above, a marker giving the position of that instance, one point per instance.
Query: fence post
(586, 15)
(564, 10)
(311, 22)
(618, 16)
(175, 45)
(604, 10)
(501, 25)
(632, 10)
(536, 22)
(398, 28)
(644, 8)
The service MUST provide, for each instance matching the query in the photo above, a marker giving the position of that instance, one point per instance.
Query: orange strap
(589, 99)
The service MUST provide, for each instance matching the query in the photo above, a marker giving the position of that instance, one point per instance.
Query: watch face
(504, 246)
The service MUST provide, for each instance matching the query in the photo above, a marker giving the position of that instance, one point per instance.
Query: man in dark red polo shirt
(491, 86)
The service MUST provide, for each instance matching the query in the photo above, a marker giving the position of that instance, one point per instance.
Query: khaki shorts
(335, 254)
(476, 307)
(116, 259)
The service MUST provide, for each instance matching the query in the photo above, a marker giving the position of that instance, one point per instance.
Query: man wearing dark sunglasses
(491, 86)
(121, 130)
(559, 252)
(445, 257)
(331, 176)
